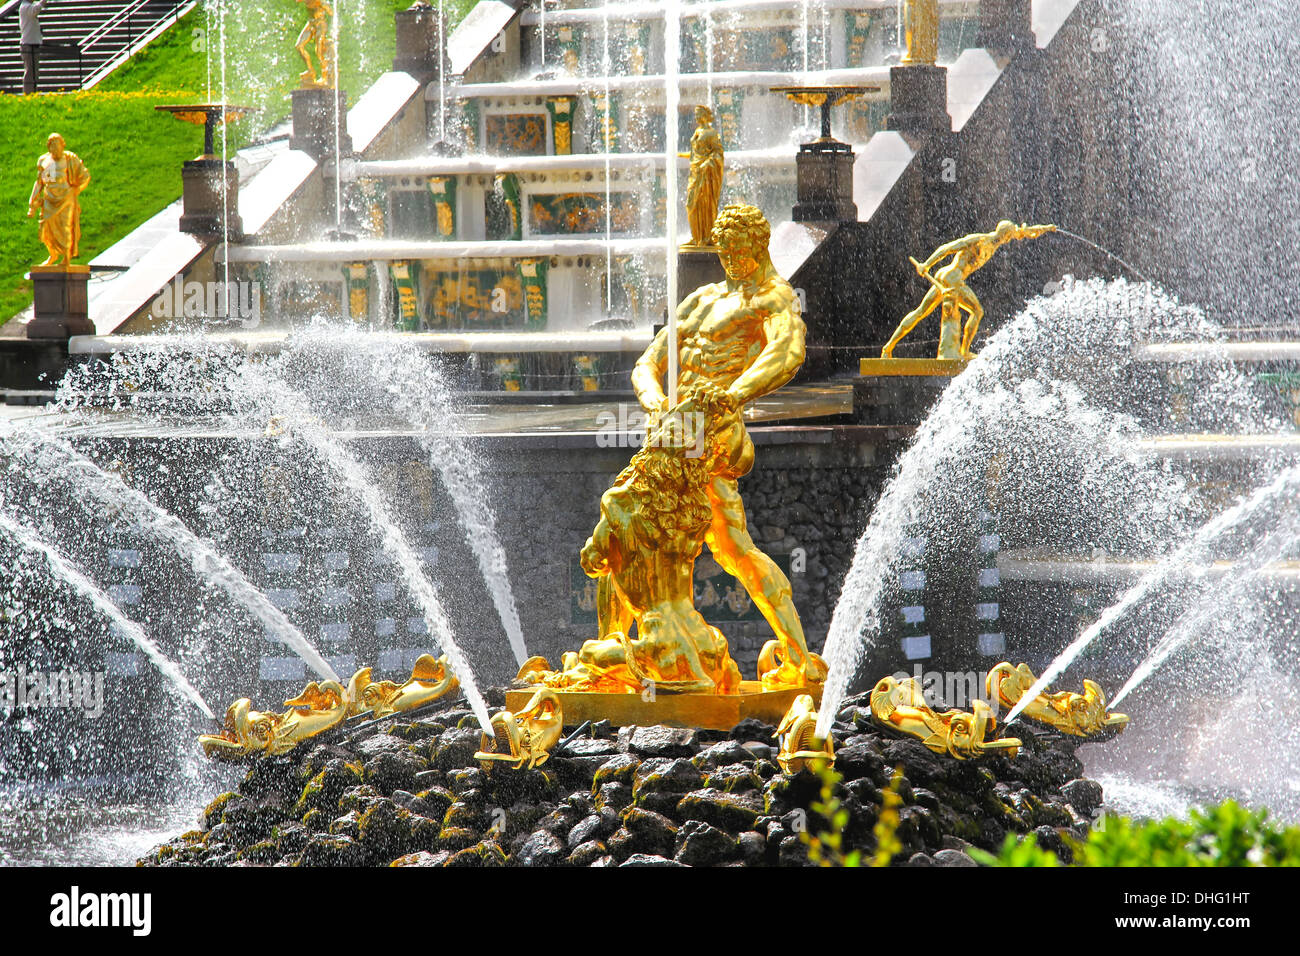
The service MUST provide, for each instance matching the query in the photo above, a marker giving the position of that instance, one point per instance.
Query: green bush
(1224, 835)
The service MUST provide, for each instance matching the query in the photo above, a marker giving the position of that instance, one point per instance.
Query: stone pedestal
(419, 50)
(210, 199)
(318, 114)
(697, 267)
(824, 183)
(1006, 26)
(61, 302)
(918, 98)
(902, 398)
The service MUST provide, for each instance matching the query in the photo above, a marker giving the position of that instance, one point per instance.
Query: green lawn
(134, 161)
(134, 154)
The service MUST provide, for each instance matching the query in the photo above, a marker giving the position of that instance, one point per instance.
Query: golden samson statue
(948, 288)
(704, 187)
(60, 178)
(737, 340)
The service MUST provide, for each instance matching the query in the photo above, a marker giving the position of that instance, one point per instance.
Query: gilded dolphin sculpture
(801, 748)
(525, 738)
(251, 733)
(901, 706)
(1079, 715)
(430, 680)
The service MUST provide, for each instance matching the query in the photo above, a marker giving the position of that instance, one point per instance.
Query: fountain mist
(49, 455)
(1190, 560)
(63, 570)
(378, 372)
(1242, 577)
(265, 391)
(1046, 406)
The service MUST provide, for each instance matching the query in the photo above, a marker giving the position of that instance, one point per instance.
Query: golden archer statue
(948, 288)
(737, 341)
(705, 184)
(315, 35)
(60, 178)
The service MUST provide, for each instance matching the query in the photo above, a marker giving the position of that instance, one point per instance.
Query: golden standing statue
(737, 340)
(60, 178)
(948, 288)
(921, 28)
(705, 184)
(315, 36)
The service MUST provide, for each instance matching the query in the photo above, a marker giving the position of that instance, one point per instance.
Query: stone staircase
(85, 40)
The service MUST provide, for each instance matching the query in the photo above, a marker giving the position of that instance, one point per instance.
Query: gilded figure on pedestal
(60, 178)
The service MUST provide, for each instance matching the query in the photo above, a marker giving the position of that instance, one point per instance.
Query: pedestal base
(210, 200)
(702, 711)
(61, 302)
(824, 183)
(318, 115)
(418, 51)
(1006, 25)
(918, 99)
(697, 267)
(903, 393)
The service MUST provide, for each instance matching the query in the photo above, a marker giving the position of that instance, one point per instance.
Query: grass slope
(134, 171)
(133, 153)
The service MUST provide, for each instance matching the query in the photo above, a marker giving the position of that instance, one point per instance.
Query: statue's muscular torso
(720, 338)
(973, 256)
(750, 332)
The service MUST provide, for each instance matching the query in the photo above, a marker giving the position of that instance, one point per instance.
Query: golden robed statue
(315, 36)
(921, 29)
(60, 178)
(705, 184)
(737, 340)
(948, 288)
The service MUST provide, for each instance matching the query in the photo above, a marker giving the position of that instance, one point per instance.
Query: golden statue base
(911, 366)
(702, 711)
(63, 268)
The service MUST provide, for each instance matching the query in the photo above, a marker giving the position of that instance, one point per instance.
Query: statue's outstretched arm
(1033, 232)
(781, 356)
